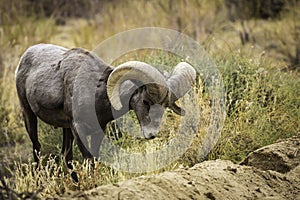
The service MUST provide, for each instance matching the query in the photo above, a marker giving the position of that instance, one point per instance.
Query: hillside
(272, 172)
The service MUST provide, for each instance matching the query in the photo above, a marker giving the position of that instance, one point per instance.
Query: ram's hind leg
(67, 151)
(31, 126)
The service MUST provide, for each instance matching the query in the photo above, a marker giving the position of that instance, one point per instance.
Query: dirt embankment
(272, 172)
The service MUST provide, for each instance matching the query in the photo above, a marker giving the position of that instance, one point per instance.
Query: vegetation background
(255, 45)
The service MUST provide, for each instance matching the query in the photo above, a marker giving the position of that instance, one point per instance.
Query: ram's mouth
(149, 132)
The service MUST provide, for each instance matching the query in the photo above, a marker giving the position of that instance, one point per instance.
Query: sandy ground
(272, 172)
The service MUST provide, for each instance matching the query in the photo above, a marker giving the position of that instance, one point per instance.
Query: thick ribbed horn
(180, 82)
(138, 72)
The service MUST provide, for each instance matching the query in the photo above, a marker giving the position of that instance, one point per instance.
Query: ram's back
(47, 77)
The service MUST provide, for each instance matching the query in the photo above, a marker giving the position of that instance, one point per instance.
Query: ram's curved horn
(180, 82)
(138, 72)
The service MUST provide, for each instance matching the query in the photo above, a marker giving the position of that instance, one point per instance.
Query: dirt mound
(273, 173)
(281, 157)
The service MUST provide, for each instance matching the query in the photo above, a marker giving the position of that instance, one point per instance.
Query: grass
(262, 107)
(263, 97)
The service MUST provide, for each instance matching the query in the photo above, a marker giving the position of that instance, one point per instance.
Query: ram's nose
(149, 134)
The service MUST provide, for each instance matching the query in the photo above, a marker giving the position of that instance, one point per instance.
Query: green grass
(262, 107)
(263, 97)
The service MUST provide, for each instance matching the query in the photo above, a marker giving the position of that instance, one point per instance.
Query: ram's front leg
(67, 151)
(86, 154)
(96, 140)
(82, 145)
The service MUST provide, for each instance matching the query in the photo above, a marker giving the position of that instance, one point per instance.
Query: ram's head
(152, 91)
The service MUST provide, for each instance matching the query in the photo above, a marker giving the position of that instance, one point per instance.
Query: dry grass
(262, 100)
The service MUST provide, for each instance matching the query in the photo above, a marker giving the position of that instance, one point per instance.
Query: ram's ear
(177, 109)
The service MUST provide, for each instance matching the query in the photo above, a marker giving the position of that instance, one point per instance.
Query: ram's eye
(146, 103)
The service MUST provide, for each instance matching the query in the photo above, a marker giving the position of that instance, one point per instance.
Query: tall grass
(14, 39)
(262, 99)
(262, 106)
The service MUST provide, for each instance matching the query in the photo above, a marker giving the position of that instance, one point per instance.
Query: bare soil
(272, 172)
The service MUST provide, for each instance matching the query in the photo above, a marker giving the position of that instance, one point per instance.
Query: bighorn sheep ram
(45, 80)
